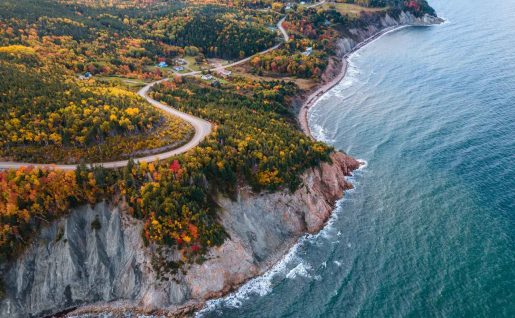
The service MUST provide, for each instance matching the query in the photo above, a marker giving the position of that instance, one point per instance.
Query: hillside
(51, 113)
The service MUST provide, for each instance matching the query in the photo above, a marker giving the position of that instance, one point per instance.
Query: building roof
(225, 72)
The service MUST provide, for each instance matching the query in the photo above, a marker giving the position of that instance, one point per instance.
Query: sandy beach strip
(322, 89)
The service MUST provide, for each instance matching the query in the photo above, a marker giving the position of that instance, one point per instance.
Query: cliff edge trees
(256, 141)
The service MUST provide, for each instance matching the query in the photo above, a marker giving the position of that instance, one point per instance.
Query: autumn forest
(69, 75)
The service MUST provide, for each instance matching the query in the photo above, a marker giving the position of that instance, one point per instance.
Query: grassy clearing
(192, 64)
(130, 83)
(351, 10)
(304, 84)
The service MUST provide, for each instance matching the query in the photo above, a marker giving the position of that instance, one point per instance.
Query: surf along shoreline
(314, 95)
(235, 295)
(308, 102)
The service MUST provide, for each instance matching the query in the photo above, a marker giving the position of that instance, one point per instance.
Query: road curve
(202, 127)
(219, 68)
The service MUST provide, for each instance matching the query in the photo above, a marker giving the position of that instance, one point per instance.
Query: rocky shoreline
(109, 270)
(349, 45)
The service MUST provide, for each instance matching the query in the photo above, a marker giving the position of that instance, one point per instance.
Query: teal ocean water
(429, 230)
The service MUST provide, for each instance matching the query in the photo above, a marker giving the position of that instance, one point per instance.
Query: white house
(225, 72)
(178, 68)
(308, 51)
(207, 77)
(86, 76)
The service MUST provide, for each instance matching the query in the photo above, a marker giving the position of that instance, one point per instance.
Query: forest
(307, 52)
(255, 143)
(48, 113)
(126, 41)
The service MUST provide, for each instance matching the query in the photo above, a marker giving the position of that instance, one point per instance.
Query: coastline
(256, 283)
(315, 95)
(320, 220)
(253, 284)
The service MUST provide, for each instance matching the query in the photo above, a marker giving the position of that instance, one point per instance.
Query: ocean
(429, 230)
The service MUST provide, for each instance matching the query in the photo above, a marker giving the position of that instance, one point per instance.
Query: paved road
(219, 68)
(316, 4)
(202, 127)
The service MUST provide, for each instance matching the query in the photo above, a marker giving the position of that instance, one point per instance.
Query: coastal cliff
(96, 258)
(96, 255)
(351, 40)
(355, 38)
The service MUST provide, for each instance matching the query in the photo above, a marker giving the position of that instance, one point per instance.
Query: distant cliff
(97, 256)
(376, 24)
(352, 39)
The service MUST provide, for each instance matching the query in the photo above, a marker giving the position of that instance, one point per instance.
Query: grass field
(192, 64)
(350, 10)
(304, 84)
(131, 83)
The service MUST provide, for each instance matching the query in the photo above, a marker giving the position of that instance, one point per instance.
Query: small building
(225, 72)
(308, 51)
(162, 64)
(85, 76)
(179, 68)
(180, 61)
(207, 77)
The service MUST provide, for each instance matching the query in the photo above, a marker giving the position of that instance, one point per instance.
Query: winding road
(201, 126)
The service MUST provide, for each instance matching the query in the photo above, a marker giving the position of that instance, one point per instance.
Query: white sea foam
(363, 164)
(351, 77)
(302, 270)
(445, 21)
(320, 133)
(352, 56)
(261, 285)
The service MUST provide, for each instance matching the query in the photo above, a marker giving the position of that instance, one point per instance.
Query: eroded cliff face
(354, 37)
(351, 40)
(96, 257)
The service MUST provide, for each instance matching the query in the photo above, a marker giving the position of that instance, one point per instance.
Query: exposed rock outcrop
(356, 36)
(96, 256)
(350, 41)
